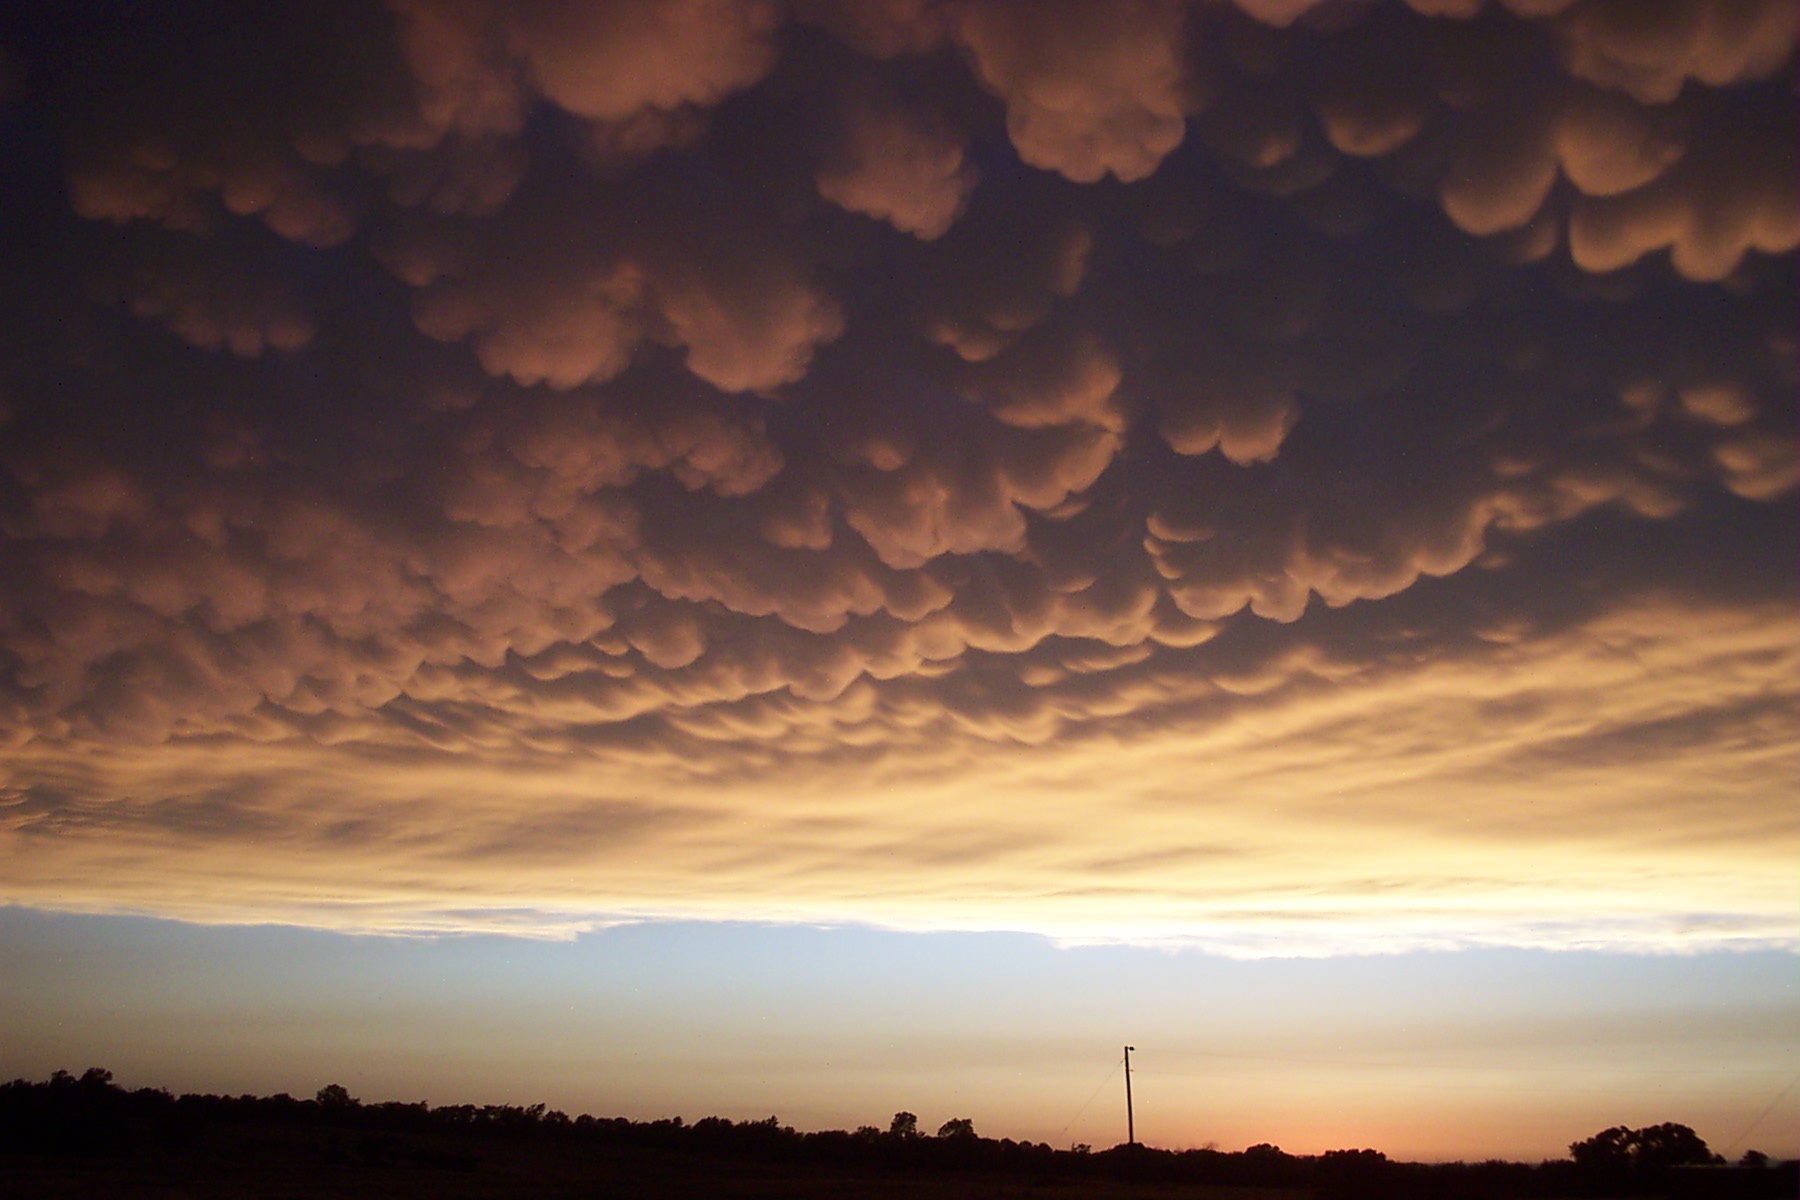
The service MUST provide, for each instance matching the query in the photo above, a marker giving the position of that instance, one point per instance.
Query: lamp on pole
(1130, 1129)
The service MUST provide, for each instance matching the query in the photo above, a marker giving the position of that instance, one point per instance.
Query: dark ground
(282, 1164)
(83, 1137)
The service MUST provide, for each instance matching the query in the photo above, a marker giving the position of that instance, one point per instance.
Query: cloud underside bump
(1286, 477)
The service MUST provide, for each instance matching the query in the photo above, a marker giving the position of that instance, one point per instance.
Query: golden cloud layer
(1290, 476)
(1608, 785)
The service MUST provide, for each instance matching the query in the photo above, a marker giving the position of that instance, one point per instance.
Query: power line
(1751, 1128)
(1088, 1101)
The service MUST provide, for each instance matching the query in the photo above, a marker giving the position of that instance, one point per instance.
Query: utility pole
(1130, 1130)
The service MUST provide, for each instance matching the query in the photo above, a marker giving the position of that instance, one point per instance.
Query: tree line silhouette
(91, 1117)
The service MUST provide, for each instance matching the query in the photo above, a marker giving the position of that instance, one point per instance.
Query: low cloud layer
(1289, 476)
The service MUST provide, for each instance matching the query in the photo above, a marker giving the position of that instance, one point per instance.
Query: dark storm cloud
(866, 418)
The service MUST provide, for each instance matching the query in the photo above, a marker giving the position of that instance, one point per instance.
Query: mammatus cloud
(1293, 477)
(1090, 88)
(896, 168)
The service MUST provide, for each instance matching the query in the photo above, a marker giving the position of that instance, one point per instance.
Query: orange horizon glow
(1465, 1055)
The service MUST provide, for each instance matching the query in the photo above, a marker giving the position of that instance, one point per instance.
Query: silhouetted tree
(904, 1125)
(335, 1096)
(1622, 1159)
(83, 1116)
(1354, 1175)
(1671, 1145)
(1654, 1147)
(957, 1127)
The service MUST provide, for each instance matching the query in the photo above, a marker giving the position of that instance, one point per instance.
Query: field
(288, 1165)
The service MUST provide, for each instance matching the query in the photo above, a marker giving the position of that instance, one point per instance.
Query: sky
(716, 555)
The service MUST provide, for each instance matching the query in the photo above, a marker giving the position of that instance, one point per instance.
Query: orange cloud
(1653, 53)
(1090, 89)
(575, 306)
(867, 462)
(899, 166)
